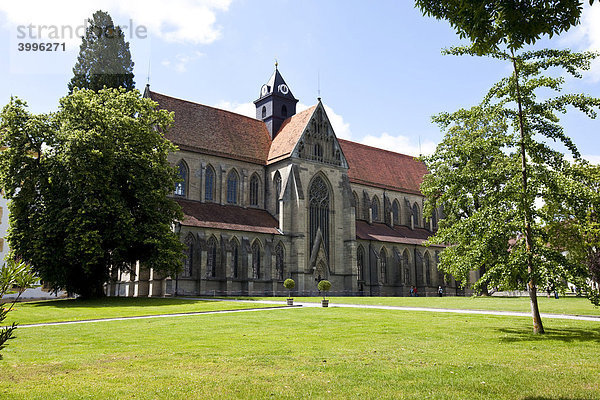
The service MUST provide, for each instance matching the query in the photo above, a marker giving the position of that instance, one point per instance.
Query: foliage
(323, 287)
(15, 275)
(574, 223)
(104, 58)
(88, 188)
(289, 284)
(514, 23)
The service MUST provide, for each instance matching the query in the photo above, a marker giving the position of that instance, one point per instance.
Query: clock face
(283, 88)
(264, 90)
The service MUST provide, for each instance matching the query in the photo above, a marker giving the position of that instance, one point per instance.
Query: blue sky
(379, 65)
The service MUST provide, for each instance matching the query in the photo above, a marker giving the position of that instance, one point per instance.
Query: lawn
(563, 305)
(111, 307)
(306, 353)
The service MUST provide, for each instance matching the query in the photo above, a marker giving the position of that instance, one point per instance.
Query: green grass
(563, 305)
(305, 353)
(110, 307)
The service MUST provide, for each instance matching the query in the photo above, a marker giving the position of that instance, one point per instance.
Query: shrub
(289, 284)
(323, 287)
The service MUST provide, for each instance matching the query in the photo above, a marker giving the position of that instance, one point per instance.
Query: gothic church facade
(280, 196)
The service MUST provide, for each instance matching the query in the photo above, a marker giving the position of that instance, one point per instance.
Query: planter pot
(290, 302)
(325, 303)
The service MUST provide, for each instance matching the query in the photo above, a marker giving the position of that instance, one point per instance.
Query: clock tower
(276, 103)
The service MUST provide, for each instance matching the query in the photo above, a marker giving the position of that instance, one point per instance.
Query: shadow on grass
(112, 302)
(567, 335)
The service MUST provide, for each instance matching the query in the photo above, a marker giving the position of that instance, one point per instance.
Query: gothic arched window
(383, 266)
(232, 187)
(434, 220)
(427, 266)
(319, 211)
(277, 184)
(182, 171)
(405, 261)
(375, 209)
(254, 187)
(211, 260)
(356, 205)
(264, 112)
(279, 257)
(284, 111)
(209, 184)
(235, 258)
(396, 212)
(360, 263)
(256, 260)
(188, 263)
(415, 214)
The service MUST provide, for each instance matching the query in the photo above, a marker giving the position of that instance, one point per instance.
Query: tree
(104, 58)
(15, 275)
(491, 24)
(88, 188)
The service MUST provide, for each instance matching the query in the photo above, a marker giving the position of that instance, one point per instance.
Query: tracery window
(254, 187)
(360, 264)
(383, 266)
(211, 261)
(319, 211)
(375, 209)
(279, 257)
(232, 187)
(182, 171)
(209, 184)
(256, 260)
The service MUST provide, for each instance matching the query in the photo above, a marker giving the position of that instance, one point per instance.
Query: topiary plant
(289, 284)
(323, 287)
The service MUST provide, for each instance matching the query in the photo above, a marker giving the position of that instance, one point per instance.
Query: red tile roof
(290, 132)
(382, 168)
(211, 215)
(214, 131)
(398, 234)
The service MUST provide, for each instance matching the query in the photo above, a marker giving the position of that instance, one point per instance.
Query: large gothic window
(375, 209)
(396, 212)
(209, 184)
(232, 187)
(279, 257)
(427, 263)
(277, 184)
(211, 261)
(254, 187)
(360, 264)
(405, 261)
(415, 214)
(383, 266)
(256, 260)
(319, 211)
(188, 263)
(182, 171)
(235, 258)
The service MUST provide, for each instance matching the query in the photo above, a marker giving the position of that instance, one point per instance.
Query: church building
(280, 196)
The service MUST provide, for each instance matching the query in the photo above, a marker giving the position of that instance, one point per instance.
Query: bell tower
(276, 103)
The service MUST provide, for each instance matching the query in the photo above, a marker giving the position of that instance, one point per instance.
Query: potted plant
(289, 284)
(323, 287)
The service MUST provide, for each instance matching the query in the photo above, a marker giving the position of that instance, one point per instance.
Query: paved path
(297, 305)
(427, 309)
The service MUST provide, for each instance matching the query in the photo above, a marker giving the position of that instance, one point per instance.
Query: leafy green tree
(500, 28)
(104, 58)
(15, 276)
(88, 188)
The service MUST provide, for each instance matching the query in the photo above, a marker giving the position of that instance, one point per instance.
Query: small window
(375, 209)
(284, 111)
(264, 112)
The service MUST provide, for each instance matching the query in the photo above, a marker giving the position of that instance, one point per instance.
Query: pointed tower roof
(277, 86)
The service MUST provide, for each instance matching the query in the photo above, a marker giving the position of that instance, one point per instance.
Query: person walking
(440, 291)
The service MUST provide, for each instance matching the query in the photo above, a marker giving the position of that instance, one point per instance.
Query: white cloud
(179, 64)
(340, 127)
(247, 109)
(586, 36)
(399, 144)
(192, 21)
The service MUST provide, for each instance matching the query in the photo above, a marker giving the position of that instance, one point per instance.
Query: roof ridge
(379, 149)
(205, 105)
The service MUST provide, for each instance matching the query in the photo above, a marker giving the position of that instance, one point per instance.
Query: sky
(377, 66)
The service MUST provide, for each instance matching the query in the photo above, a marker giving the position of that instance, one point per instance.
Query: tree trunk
(535, 312)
